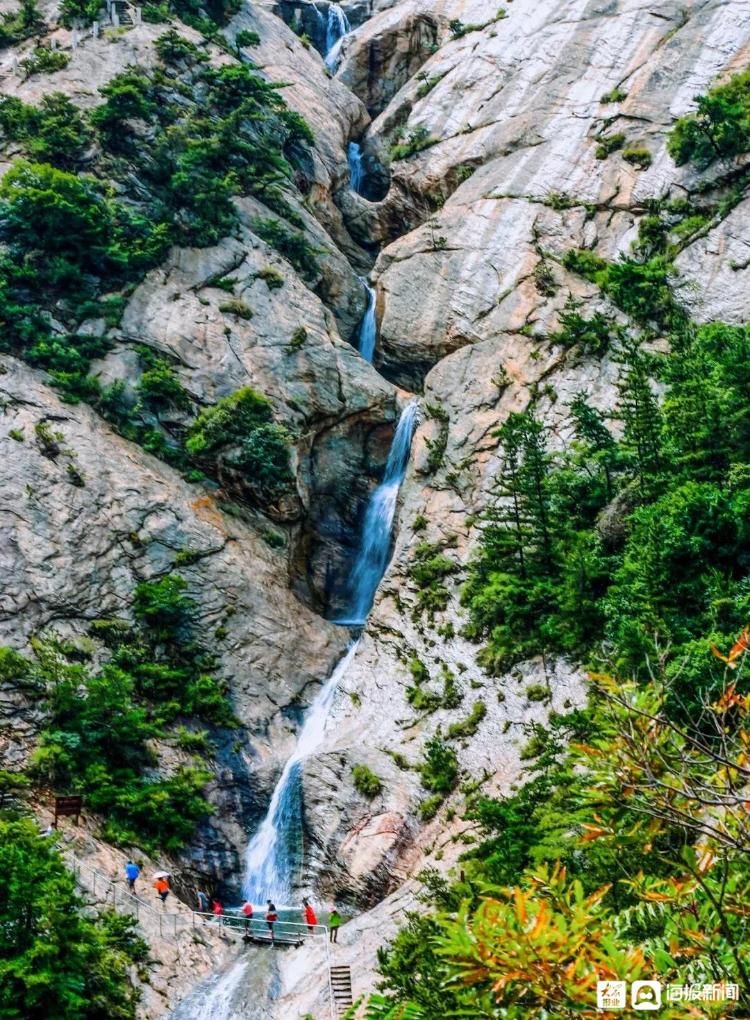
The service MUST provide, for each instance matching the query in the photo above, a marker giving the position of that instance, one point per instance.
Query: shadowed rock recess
(194, 405)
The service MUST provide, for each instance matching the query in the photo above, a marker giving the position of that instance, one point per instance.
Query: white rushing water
(356, 167)
(368, 329)
(337, 27)
(375, 543)
(271, 856)
(215, 1002)
(269, 859)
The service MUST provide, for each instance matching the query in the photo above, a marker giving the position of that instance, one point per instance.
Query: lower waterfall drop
(270, 859)
(356, 166)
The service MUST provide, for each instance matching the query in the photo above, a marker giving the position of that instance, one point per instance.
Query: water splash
(337, 27)
(215, 1002)
(367, 337)
(375, 543)
(270, 857)
(356, 166)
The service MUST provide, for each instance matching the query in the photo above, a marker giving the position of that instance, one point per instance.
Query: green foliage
(592, 335)
(24, 22)
(615, 95)
(366, 781)
(236, 307)
(53, 132)
(429, 569)
(159, 388)
(272, 278)
(72, 11)
(417, 140)
(57, 962)
(13, 665)
(439, 768)
(467, 727)
(292, 244)
(246, 37)
(44, 60)
(298, 338)
(174, 48)
(607, 144)
(163, 606)
(637, 155)
(718, 129)
(237, 433)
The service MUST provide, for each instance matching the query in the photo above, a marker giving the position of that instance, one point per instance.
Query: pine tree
(594, 435)
(639, 412)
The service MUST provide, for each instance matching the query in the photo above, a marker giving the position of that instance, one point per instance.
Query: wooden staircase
(341, 987)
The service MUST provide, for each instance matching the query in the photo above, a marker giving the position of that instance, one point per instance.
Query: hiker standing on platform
(247, 912)
(309, 914)
(271, 918)
(334, 923)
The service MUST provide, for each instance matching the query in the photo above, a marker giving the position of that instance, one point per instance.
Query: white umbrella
(161, 874)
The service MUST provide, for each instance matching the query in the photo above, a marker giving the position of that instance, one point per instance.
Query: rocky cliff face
(479, 130)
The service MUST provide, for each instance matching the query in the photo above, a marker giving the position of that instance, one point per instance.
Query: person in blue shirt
(132, 871)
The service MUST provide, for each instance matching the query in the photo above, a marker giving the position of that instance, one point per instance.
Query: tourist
(247, 911)
(217, 909)
(334, 923)
(309, 915)
(132, 871)
(271, 918)
(162, 888)
(203, 902)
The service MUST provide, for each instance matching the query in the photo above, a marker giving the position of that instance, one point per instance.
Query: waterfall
(356, 167)
(269, 860)
(375, 542)
(368, 329)
(336, 28)
(270, 857)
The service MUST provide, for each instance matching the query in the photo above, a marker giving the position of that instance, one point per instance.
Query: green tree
(55, 962)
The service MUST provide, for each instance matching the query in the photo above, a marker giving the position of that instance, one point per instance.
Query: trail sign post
(67, 807)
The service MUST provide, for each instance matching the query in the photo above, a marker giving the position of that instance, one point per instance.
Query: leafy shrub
(298, 338)
(292, 244)
(366, 781)
(160, 388)
(593, 335)
(155, 13)
(638, 156)
(24, 22)
(719, 128)
(13, 666)
(246, 37)
(236, 307)
(174, 48)
(439, 768)
(272, 278)
(228, 421)
(429, 807)
(79, 10)
(537, 692)
(615, 95)
(468, 727)
(607, 144)
(417, 140)
(44, 60)
(163, 606)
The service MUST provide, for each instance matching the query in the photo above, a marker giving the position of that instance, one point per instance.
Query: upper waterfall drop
(367, 337)
(337, 27)
(375, 542)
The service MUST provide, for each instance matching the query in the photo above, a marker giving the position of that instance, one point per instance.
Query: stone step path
(341, 986)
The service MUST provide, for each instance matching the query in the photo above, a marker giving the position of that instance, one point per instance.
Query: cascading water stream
(368, 329)
(270, 858)
(337, 27)
(356, 166)
(375, 543)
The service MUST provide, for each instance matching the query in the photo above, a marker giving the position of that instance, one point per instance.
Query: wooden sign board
(68, 807)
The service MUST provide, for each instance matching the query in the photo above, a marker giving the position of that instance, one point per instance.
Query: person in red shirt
(247, 913)
(271, 918)
(217, 910)
(310, 919)
(162, 888)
